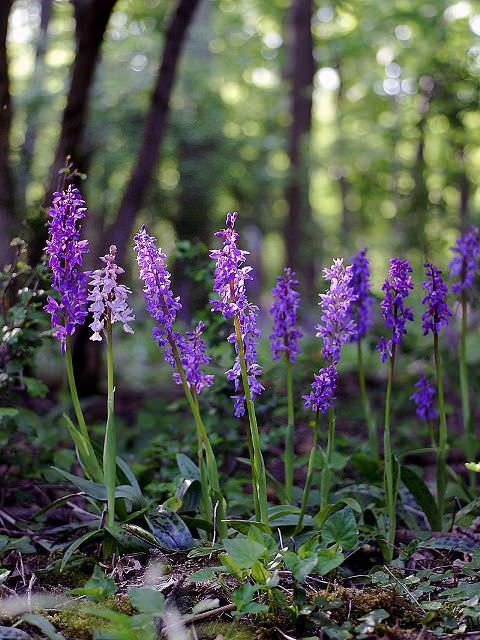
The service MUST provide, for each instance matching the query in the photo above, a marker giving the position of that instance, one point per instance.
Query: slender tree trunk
(464, 186)
(301, 70)
(91, 19)
(6, 184)
(154, 128)
(28, 146)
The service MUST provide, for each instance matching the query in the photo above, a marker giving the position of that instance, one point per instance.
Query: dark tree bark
(301, 71)
(154, 128)
(28, 146)
(91, 20)
(6, 184)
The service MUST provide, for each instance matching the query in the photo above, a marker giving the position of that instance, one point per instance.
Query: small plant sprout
(396, 287)
(185, 355)
(284, 343)
(424, 397)
(463, 269)
(336, 328)
(437, 315)
(361, 310)
(109, 305)
(232, 302)
(68, 308)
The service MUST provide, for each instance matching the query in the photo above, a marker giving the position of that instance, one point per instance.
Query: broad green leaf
(300, 567)
(147, 599)
(326, 511)
(243, 552)
(206, 605)
(207, 573)
(45, 626)
(327, 560)
(188, 469)
(76, 544)
(341, 529)
(98, 587)
(243, 526)
(35, 388)
(423, 496)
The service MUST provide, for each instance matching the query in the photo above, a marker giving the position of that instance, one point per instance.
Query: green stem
(442, 432)
(202, 437)
(258, 465)
(326, 471)
(289, 436)
(468, 425)
(310, 470)
(110, 443)
(371, 425)
(73, 389)
(389, 484)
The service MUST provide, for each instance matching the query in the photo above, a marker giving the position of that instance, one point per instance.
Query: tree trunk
(28, 146)
(91, 19)
(6, 184)
(154, 128)
(301, 71)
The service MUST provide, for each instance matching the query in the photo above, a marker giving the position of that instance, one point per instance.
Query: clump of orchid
(336, 328)
(284, 345)
(361, 310)
(69, 309)
(186, 355)
(397, 287)
(232, 302)
(463, 269)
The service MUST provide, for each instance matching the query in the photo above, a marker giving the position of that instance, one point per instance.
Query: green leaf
(328, 559)
(207, 573)
(341, 529)
(128, 473)
(35, 388)
(98, 587)
(7, 412)
(243, 552)
(4, 573)
(44, 625)
(243, 526)
(11, 633)
(147, 600)
(187, 467)
(205, 605)
(76, 544)
(85, 453)
(326, 511)
(300, 567)
(57, 503)
(423, 496)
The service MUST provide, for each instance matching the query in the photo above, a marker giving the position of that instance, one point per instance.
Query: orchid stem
(389, 483)
(468, 426)
(258, 465)
(442, 432)
(310, 470)
(371, 425)
(110, 443)
(73, 389)
(205, 454)
(289, 436)
(326, 471)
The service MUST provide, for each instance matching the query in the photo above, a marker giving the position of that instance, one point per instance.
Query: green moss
(358, 603)
(75, 623)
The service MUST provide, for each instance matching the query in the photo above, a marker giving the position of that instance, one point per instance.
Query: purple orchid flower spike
(435, 299)
(230, 285)
(65, 252)
(395, 314)
(424, 398)
(286, 334)
(361, 308)
(464, 264)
